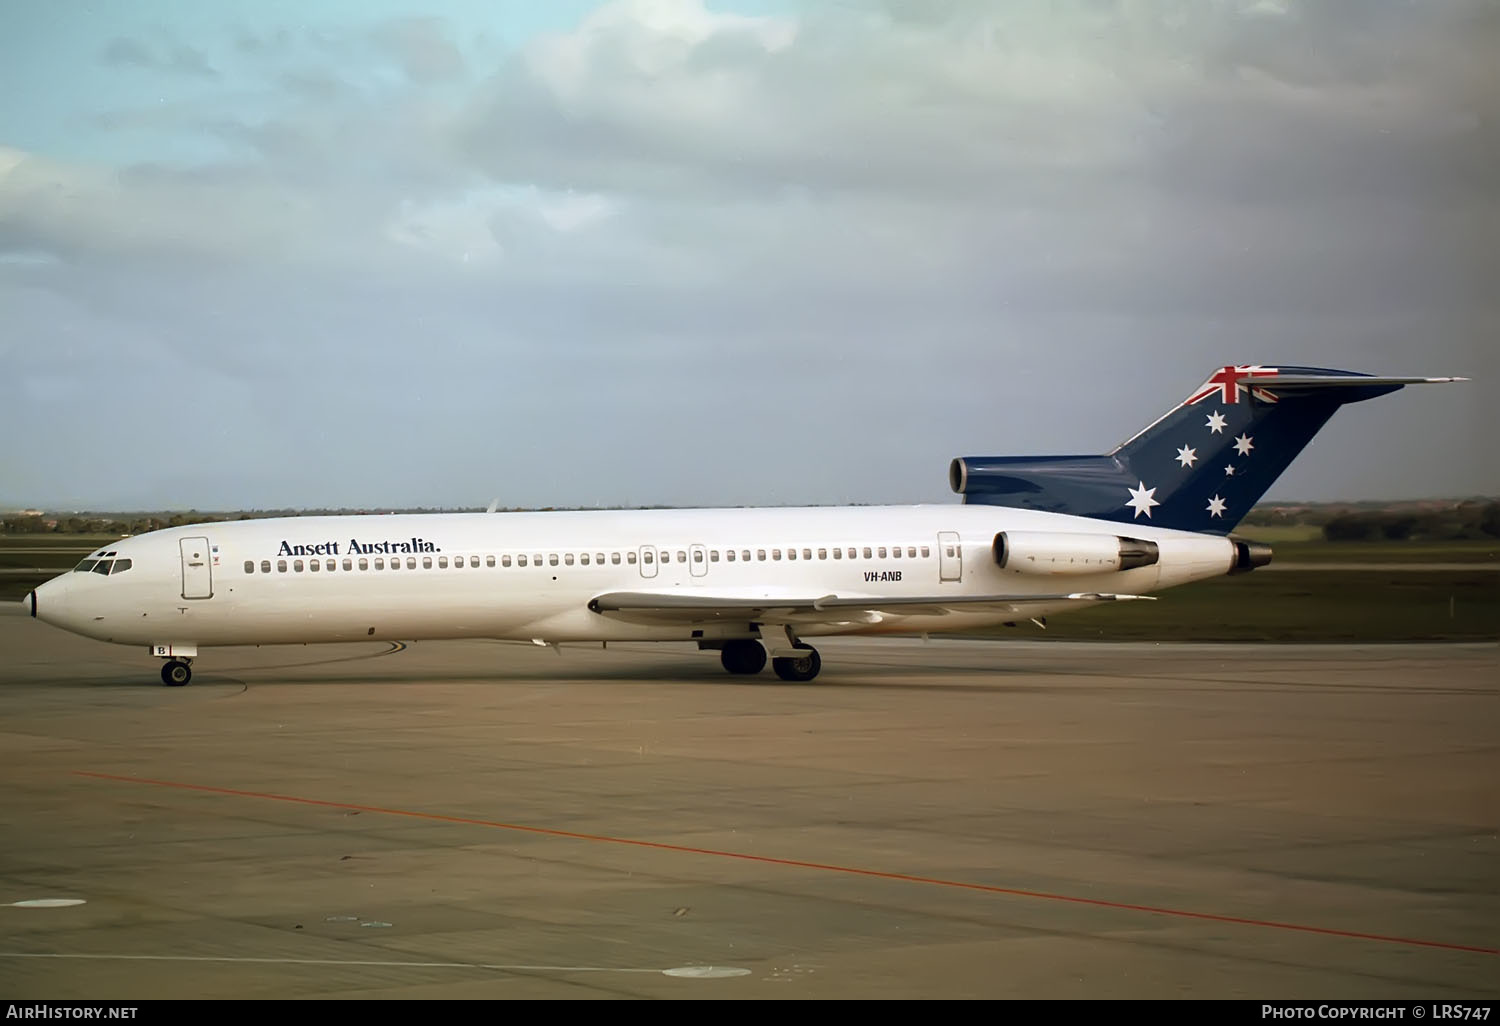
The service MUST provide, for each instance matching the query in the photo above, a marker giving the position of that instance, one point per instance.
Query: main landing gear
(744, 656)
(176, 672)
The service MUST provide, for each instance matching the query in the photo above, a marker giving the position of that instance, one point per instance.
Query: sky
(259, 254)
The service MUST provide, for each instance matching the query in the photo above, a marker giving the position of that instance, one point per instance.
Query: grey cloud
(423, 49)
(893, 236)
(168, 56)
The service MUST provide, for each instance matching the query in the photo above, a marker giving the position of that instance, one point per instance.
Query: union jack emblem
(1228, 382)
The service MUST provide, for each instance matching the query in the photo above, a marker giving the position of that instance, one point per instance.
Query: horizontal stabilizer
(1285, 382)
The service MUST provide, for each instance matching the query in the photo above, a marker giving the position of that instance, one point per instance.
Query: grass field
(1284, 605)
(1371, 606)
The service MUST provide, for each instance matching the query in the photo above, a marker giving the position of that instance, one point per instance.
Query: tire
(799, 670)
(743, 656)
(175, 673)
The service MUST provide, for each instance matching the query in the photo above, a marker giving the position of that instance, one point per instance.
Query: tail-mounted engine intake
(1055, 552)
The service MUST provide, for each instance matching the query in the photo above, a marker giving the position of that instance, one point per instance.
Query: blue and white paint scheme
(1033, 537)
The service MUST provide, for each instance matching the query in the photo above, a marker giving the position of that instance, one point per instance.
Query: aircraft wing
(699, 607)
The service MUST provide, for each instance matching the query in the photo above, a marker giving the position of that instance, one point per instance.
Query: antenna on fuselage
(493, 506)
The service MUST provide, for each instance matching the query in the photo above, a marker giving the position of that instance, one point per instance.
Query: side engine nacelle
(1056, 552)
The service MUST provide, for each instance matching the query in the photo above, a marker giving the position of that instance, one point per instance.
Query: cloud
(801, 228)
(423, 49)
(168, 56)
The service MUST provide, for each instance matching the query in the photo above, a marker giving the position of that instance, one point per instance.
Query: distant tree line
(1466, 520)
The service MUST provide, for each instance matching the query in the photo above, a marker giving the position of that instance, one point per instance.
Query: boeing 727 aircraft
(1034, 536)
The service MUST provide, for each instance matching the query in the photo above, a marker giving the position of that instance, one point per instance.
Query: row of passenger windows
(648, 556)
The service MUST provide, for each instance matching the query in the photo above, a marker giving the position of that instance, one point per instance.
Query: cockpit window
(85, 566)
(102, 567)
(121, 565)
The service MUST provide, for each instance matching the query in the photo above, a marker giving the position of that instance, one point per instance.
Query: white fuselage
(460, 575)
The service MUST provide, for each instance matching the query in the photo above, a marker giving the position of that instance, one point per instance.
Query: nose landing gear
(176, 672)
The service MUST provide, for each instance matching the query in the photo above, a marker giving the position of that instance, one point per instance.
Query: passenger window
(297, 565)
(614, 557)
(882, 552)
(442, 562)
(265, 566)
(666, 557)
(552, 558)
(521, 560)
(630, 558)
(379, 563)
(504, 560)
(313, 565)
(568, 559)
(713, 555)
(838, 553)
(911, 552)
(896, 552)
(249, 566)
(775, 554)
(807, 553)
(867, 552)
(854, 553)
(537, 558)
(791, 553)
(729, 555)
(926, 552)
(281, 566)
(121, 565)
(760, 554)
(599, 558)
(745, 555)
(411, 562)
(698, 555)
(950, 550)
(822, 553)
(488, 561)
(681, 556)
(647, 556)
(583, 559)
(349, 564)
(364, 564)
(426, 562)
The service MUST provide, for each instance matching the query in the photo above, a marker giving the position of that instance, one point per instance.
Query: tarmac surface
(943, 820)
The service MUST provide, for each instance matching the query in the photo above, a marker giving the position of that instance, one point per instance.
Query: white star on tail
(1141, 500)
(1229, 470)
(1242, 445)
(1187, 457)
(1216, 506)
(1216, 422)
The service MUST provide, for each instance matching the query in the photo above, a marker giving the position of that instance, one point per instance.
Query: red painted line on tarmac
(795, 863)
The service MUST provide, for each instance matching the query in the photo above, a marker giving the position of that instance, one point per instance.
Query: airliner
(1033, 536)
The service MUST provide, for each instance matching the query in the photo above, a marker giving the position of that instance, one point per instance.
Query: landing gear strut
(176, 672)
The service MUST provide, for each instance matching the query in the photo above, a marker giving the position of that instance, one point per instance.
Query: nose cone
(29, 602)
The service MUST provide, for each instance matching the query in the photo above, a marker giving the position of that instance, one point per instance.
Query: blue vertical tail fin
(1200, 467)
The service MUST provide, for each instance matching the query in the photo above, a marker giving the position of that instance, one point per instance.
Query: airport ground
(955, 819)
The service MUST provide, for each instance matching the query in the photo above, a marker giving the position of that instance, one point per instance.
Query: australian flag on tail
(1200, 467)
